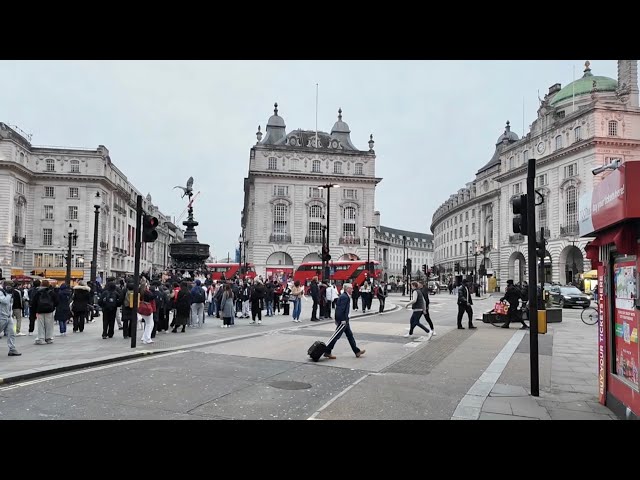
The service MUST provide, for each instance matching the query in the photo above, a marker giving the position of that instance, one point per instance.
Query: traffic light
(404, 271)
(457, 266)
(520, 214)
(149, 225)
(424, 268)
(409, 265)
(540, 248)
(325, 254)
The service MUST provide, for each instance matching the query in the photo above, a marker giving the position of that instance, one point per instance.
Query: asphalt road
(270, 376)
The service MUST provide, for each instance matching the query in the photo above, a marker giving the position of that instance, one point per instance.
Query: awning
(622, 236)
(591, 274)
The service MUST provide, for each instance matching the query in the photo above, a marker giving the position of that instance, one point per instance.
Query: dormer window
(613, 128)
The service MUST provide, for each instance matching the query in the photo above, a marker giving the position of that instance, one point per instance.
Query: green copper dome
(585, 85)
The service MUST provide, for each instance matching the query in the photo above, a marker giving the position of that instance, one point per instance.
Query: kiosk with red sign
(611, 214)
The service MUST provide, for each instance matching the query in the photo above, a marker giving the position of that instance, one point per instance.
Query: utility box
(554, 315)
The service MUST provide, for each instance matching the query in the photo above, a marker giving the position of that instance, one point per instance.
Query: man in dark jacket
(109, 304)
(32, 311)
(424, 288)
(342, 323)
(127, 310)
(512, 295)
(44, 303)
(464, 304)
(315, 296)
(17, 307)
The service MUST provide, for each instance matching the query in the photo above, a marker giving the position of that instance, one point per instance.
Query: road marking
(87, 370)
(470, 406)
(314, 416)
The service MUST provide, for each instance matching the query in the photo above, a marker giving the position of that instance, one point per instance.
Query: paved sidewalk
(79, 350)
(568, 379)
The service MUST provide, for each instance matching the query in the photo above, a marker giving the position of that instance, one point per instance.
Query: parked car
(568, 296)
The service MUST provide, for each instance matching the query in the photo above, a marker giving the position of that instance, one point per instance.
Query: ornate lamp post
(94, 258)
(72, 236)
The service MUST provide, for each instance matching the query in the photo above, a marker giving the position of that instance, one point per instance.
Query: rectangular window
(315, 192)
(473, 213)
(74, 192)
(577, 134)
(473, 228)
(541, 180)
(280, 190)
(295, 164)
(20, 187)
(542, 213)
(525, 156)
(558, 142)
(358, 170)
(466, 230)
(466, 215)
(572, 207)
(73, 213)
(516, 189)
(74, 241)
(273, 163)
(79, 262)
(50, 165)
(337, 167)
(49, 192)
(613, 128)
(349, 193)
(315, 166)
(570, 170)
(47, 237)
(349, 230)
(280, 214)
(75, 166)
(48, 212)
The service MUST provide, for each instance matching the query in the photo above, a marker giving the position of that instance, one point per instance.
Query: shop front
(611, 214)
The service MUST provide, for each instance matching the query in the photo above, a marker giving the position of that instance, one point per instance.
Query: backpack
(199, 296)
(160, 299)
(45, 302)
(110, 301)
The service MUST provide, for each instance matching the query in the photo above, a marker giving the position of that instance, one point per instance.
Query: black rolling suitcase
(316, 350)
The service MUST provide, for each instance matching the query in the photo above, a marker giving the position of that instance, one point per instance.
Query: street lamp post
(328, 186)
(324, 247)
(94, 259)
(240, 242)
(404, 263)
(72, 234)
(466, 268)
(369, 227)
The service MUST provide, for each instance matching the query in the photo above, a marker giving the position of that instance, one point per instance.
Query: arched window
(558, 142)
(358, 170)
(315, 166)
(571, 208)
(613, 128)
(75, 166)
(50, 165)
(337, 167)
(280, 218)
(349, 222)
(512, 164)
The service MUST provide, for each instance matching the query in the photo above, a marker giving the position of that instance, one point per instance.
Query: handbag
(501, 308)
(145, 309)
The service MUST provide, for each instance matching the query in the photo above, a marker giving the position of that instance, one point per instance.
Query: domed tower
(581, 89)
(276, 128)
(341, 132)
(507, 138)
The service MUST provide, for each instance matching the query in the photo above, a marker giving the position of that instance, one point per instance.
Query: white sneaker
(259, 322)
(406, 335)
(20, 334)
(30, 333)
(252, 323)
(429, 335)
(433, 333)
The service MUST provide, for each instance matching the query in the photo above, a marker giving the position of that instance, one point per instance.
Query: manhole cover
(287, 385)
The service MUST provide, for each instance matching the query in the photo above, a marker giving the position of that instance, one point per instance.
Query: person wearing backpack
(198, 297)
(81, 299)
(63, 312)
(158, 314)
(32, 311)
(44, 303)
(109, 303)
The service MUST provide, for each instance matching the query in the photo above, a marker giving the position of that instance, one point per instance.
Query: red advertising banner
(602, 324)
(626, 321)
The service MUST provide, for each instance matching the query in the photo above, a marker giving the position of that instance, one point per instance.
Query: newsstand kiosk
(611, 214)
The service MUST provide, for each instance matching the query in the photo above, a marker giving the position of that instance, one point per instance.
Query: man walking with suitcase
(342, 323)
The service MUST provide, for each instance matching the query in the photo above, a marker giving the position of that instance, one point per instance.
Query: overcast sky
(434, 122)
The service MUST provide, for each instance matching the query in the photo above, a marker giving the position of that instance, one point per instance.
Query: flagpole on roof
(316, 115)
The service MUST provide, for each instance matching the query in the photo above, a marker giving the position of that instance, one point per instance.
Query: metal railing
(349, 240)
(279, 238)
(313, 238)
(19, 240)
(571, 229)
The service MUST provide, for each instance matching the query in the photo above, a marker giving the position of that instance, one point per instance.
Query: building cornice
(311, 150)
(319, 177)
(461, 206)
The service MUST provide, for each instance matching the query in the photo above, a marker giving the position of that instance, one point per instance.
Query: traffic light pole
(133, 323)
(532, 261)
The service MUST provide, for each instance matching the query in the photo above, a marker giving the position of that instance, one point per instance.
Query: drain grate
(290, 385)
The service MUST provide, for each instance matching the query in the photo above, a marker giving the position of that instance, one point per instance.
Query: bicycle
(590, 316)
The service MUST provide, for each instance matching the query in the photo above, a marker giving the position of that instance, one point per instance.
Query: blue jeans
(269, 308)
(63, 326)
(210, 311)
(297, 307)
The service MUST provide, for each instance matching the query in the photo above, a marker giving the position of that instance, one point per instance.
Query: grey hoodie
(6, 305)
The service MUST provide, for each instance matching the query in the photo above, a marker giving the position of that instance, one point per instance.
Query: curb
(130, 356)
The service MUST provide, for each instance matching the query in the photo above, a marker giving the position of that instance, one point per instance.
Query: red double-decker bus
(354, 272)
(230, 270)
